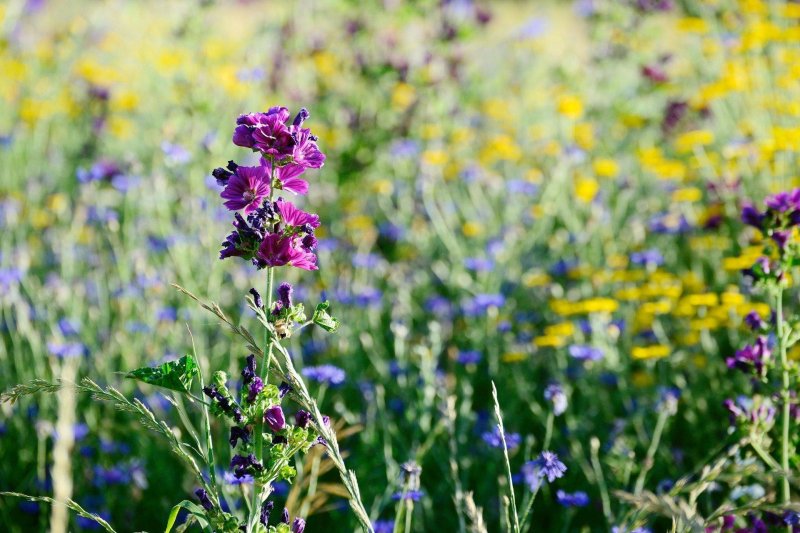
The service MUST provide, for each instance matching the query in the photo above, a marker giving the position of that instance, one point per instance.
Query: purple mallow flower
(246, 188)
(266, 509)
(202, 495)
(249, 371)
(285, 295)
(301, 418)
(274, 418)
(240, 465)
(326, 374)
(254, 388)
(753, 321)
(752, 357)
(299, 525)
(238, 433)
(267, 133)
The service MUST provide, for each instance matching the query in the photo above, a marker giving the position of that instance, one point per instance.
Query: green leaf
(193, 509)
(323, 319)
(174, 375)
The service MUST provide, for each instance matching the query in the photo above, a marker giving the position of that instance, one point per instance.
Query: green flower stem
(255, 508)
(651, 452)
(786, 494)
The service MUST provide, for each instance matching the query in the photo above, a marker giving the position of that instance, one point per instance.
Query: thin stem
(651, 452)
(255, 508)
(512, 497)
(786, 490)
(529, 508)
(206, 419)
(594, 445)
(548, 433)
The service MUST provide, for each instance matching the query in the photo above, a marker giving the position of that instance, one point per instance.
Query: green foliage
(174, 375)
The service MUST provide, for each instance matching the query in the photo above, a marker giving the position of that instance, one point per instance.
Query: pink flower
(292, 216)
(246, 189)
(278, 250)
(287, 177)
(306, 153)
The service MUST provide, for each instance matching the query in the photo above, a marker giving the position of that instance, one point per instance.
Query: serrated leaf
(173, 375)
(323, 319)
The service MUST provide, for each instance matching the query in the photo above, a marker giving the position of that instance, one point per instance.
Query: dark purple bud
(285, 516)
(285, 295)
(284, 389)
(232, 166)
(753, 321)
(752, 216)
(274, 418)
(301, 418)
(239, 433)
(257, 298)
(222, 176)
(279, 439)
(266, 509)
(299, 525)
(202, 495)
(309, 242)
(301, 117)
(781, 238)
(254, 388)
(249, 371)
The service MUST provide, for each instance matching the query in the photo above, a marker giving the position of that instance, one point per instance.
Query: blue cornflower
(576, 499)
(546, 465)
(493, 439)
(469, 357)
(583, 352)
(326, 374)
(413, 495)
(555, 394)
(383, 526)
(70, 349)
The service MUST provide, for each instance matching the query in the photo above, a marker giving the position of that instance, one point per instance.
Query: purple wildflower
(202, 495)
(246, 188)
(285, 295)
(266, 132)
(254, 388)
(555, 394)
(279, 250)
(301, 418)
(249, 371)
(274, 418)
(238, 433)
(546, 465)
(752, 216)
(753, 321)
(266, 509)
(299, 525)
(583, 352)
(751, 357)
(495, 440)
(326, 374)
(576, 499)
(240, 465)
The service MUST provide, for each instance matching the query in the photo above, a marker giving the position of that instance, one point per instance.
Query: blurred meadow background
(531, 193)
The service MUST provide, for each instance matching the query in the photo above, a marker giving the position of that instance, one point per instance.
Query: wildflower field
(399, 266)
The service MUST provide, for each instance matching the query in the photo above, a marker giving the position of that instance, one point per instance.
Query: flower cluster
(258, 402)
(271, 232)
(777, 221)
